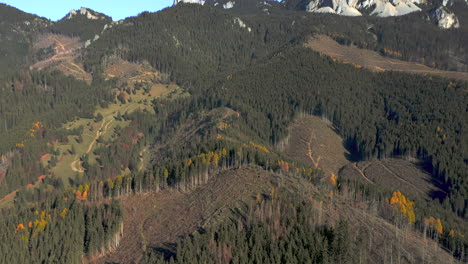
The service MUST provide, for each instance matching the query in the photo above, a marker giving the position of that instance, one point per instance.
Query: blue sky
(117, 9)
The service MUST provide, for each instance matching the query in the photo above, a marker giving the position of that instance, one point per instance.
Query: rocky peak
(85, 12)
(446, 19)
(200, 2)
(381, 8)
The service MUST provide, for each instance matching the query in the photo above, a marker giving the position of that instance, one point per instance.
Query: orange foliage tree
(20, 227)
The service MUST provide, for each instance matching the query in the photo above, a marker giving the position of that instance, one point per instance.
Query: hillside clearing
(372, 60)
(394, 174)
(69, 163)
(65, 51)
(314, 142)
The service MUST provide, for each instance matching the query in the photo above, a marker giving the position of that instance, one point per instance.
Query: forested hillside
(17, 31)
(193, 97)
(364, 135)
(42, 102)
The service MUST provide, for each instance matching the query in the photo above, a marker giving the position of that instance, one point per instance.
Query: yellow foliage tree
(223, 153)
(166, 174)
(333, 179)
(111, 184)
(439, 228)
(452, 233)
(405, 206)
(215, 159)
(264, 149)
(434, 224)
(41, 223)
(64, 212)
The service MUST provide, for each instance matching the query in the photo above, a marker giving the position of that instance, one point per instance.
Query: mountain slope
(374, 61)
(17, 31)
(173, 148)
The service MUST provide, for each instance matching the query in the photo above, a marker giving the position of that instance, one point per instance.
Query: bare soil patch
(132, 72)
(373, 60)
(315, 142)
(122, 69)
(65, 52)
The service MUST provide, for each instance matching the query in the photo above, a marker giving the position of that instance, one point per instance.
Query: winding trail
(74, 167)
(361, 172)
(309, 150)
(400, 178)
(102, 129)
(65, 52)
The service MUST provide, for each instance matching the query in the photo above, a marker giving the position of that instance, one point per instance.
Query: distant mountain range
(443, 13)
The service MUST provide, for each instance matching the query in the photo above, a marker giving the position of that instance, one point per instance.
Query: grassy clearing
(69, 164)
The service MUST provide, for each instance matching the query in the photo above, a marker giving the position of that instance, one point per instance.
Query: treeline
(405, 37)
(61, 230)
(173, 161)
(189, 173)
